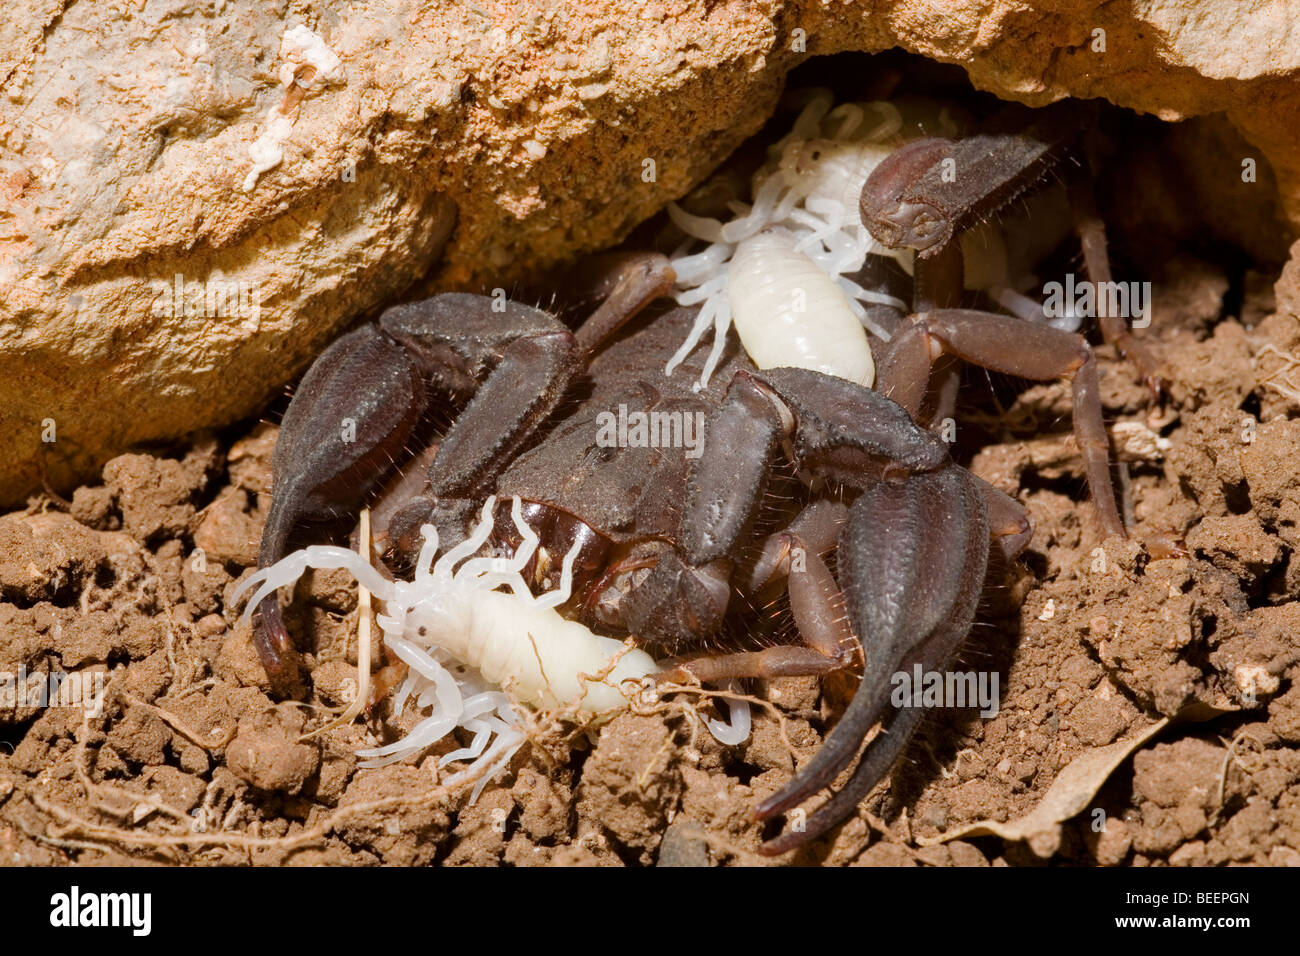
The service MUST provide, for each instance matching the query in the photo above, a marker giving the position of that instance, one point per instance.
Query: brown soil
(195, 760)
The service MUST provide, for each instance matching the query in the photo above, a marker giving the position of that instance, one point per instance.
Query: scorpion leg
(624, 283)
(394, 525)
(1092, 237)
(814, 528)
(1005, 344)
(939, 286)
(1009, 523)
(792, 557)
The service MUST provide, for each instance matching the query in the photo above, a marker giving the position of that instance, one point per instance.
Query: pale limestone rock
(314, 164)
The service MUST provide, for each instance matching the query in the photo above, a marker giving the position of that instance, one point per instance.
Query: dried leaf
(1073, 789)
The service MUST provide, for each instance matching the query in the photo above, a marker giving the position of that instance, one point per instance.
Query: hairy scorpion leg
(1005, 344)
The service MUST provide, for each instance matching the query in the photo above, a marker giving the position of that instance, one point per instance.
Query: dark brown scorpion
(671, 542)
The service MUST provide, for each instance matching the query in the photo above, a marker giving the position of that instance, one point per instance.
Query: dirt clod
(267, 754)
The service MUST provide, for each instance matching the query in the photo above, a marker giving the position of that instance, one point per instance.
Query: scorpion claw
(350, 416)
(911, 596)
(270, 638)
(875, 763)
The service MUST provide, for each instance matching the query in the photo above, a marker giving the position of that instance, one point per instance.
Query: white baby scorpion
(460, 636)
(788, 311)
(780, 272)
